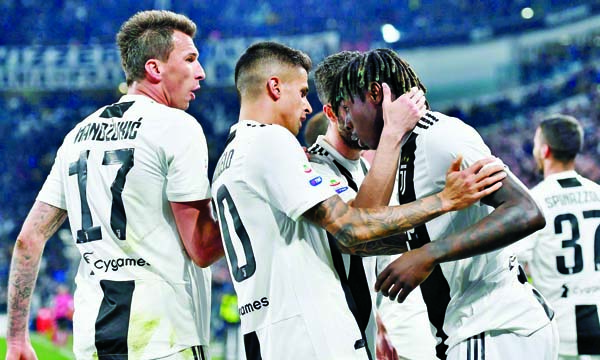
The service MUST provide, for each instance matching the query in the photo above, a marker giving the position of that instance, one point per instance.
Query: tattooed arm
(516, 215)
(41, 223)
(355, 226)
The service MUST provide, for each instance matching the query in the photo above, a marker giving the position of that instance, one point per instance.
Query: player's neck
(552, 167)
(333, 138)
(258, 111)
(153, 92)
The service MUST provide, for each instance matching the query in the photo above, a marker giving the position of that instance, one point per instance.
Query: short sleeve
(446, 141)
(336, 182)
(187, 161)
(52, 192)
(279, 169)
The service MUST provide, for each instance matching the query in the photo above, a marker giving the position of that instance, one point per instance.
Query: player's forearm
(353, 226)
(24, 269)
(508, 223)
(378, 185)
(387, 246)
(211, 245)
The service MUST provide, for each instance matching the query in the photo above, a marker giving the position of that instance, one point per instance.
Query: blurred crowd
(419, 21)
(557, 77)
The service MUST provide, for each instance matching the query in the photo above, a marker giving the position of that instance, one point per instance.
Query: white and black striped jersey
(473, 295)
(138, 294)
(564, 258)
(358, 274)
(290, 298)
(406, 323)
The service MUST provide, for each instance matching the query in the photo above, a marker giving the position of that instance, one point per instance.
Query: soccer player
(337, 156)
(275, 210)
(474, 296)
(564, 257)
(132, 179)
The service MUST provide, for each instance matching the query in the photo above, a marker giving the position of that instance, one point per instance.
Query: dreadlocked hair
(379, 65)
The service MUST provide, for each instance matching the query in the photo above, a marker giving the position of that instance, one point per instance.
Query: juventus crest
(402, 179)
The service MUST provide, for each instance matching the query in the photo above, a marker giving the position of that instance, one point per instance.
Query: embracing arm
(41, 223)
(199, 231)
(353, 226)
(516, 216)
(463, 188)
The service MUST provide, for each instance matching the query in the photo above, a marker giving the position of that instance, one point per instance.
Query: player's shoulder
(318, 154)
(441, 131)
(267, 136)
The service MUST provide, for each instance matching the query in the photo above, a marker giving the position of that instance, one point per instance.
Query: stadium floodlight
(390, 33)
(527, 13)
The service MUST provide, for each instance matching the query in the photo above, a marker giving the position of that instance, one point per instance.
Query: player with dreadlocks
(477, 298)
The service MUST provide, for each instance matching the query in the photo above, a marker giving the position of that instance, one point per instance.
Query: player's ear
(328, 111)
(153, 70)
(545, 151)
(375, 94)
(274, 88)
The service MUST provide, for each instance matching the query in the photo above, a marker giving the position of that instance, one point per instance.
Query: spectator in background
(63, 314)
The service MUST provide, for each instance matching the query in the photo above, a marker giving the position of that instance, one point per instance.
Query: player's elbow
(29, 244)
(533, 216)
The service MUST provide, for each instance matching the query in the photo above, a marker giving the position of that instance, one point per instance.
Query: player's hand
(405, 273)
(466, 187)
(401, 115)
(20, 351)
(385, 349)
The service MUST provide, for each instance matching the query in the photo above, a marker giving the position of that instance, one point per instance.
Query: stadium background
(499, 65)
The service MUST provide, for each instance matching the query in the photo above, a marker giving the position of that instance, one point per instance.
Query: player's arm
(516, 215)
(353, 226)
(462, 189)
(399, 118)
(199, 231)
(41, 223)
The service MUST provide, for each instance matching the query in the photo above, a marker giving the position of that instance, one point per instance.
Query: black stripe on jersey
(547, 309)
(363, 166)
(482, 337)
(112, 323)
(431, 116)
(588, 329)
(361, 314)
(435, 289)
(116, 110)
(426, 121)
(476, 347)
(229, 139)
(252, 346)
(568, 183)
(357, 279)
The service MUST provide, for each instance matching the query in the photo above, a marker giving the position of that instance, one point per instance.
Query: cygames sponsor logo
(254, 306)
(113, 264)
